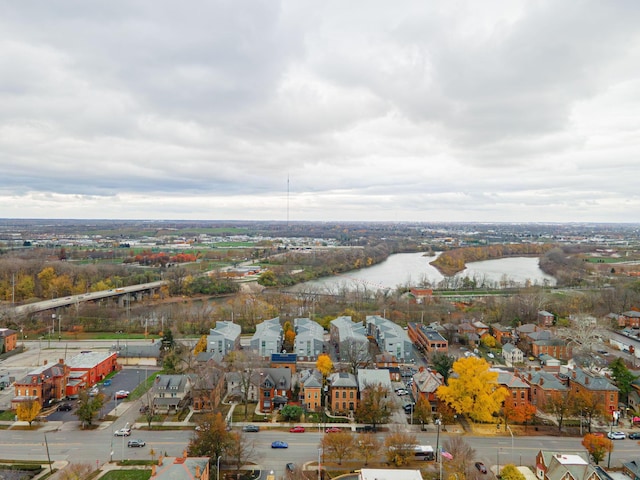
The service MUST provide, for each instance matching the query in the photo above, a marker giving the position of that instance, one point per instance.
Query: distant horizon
(71, 219)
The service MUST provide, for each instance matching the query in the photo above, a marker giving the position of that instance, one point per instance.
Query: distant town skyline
(443, 111)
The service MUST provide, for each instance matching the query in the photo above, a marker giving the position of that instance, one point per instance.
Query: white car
(123, 432)
(617, 435)
(491, 355)
(402, 392)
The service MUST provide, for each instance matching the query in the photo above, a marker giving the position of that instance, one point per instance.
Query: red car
(333, 430)
(297, 429)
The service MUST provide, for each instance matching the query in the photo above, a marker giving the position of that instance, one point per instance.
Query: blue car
(279, 444)
(107, 383)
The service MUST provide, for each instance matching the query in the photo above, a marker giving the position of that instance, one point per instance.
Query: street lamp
(512, 458)
(319, 464)
(218, 467)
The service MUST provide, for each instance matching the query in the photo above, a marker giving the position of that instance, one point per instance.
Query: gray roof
(88, 360)
(343, 379)
(594, 382)
(370, 377)
(149, 350)
(547, 381)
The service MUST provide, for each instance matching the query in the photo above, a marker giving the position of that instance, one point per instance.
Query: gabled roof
(547, 381)
(427, 381)
(508, 379)
(510, 348)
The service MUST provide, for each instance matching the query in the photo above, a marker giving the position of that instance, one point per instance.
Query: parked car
(121, 394)
(491, 355)
(291, 467)
(401, 392)
(279, 444)
(297, 429)
(251, 428)
(144, 408)
(408, 408)
(333, 430)
(107, 383)
(616, 435)
(136, 443)
(64, 407)
(481, 468)
(123, 432)
(634, 435)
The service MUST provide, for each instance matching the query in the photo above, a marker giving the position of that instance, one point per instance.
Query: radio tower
(287, 201)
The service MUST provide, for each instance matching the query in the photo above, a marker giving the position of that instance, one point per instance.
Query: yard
(127, 475)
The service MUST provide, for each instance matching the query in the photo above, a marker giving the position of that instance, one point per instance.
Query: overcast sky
(361, 110)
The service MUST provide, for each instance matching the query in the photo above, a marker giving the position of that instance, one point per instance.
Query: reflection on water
(412, 269)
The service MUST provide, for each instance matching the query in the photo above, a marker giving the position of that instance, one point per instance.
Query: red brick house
(45, 384)
(89, 368)
(427, 339)
(8, 340)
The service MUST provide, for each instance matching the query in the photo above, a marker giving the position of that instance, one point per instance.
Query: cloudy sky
(361, 110)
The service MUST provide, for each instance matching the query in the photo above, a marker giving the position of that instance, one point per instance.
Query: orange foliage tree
(597, 446)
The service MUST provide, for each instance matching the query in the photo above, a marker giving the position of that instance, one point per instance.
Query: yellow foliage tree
(473, 390)
(324, 365)
(488, 341)
(28, 411)
(45, 278)
(201, 346)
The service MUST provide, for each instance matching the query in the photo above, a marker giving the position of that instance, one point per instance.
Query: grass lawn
(127, 475)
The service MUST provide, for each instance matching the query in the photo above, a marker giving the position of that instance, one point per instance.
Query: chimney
(541, 381)
(45, 362)
(529, 376)
(61, 361)
(586, 380)
(198, 472)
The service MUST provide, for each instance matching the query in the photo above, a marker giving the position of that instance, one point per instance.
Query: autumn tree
(511, 472)
(240, 450)
(560, 406)
(324, 365)
(443, 363)
(338, 446)
(89, 406)
(400, 447)
(488, 341)
(597, 446)
(422, 410)
(475, 391)
(519, 413)
(368, 447)
(211, 437)
(201, 346)
(374, 407)
(589, 405)
(28, 411)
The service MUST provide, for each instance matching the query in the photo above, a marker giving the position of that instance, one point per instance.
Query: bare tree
(240, 450)
(463, 457)
(246, 365)
(355, 354)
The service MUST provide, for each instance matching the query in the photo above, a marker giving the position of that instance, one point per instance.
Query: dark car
(64, 407)
(136, 443)
(480, 466)
(634, 436)
(291, 467)
(251, 428)
(279, 444)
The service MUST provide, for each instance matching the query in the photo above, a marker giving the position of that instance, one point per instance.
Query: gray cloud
(504, 111)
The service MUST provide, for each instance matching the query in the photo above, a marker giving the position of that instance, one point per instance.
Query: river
(413, 269)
